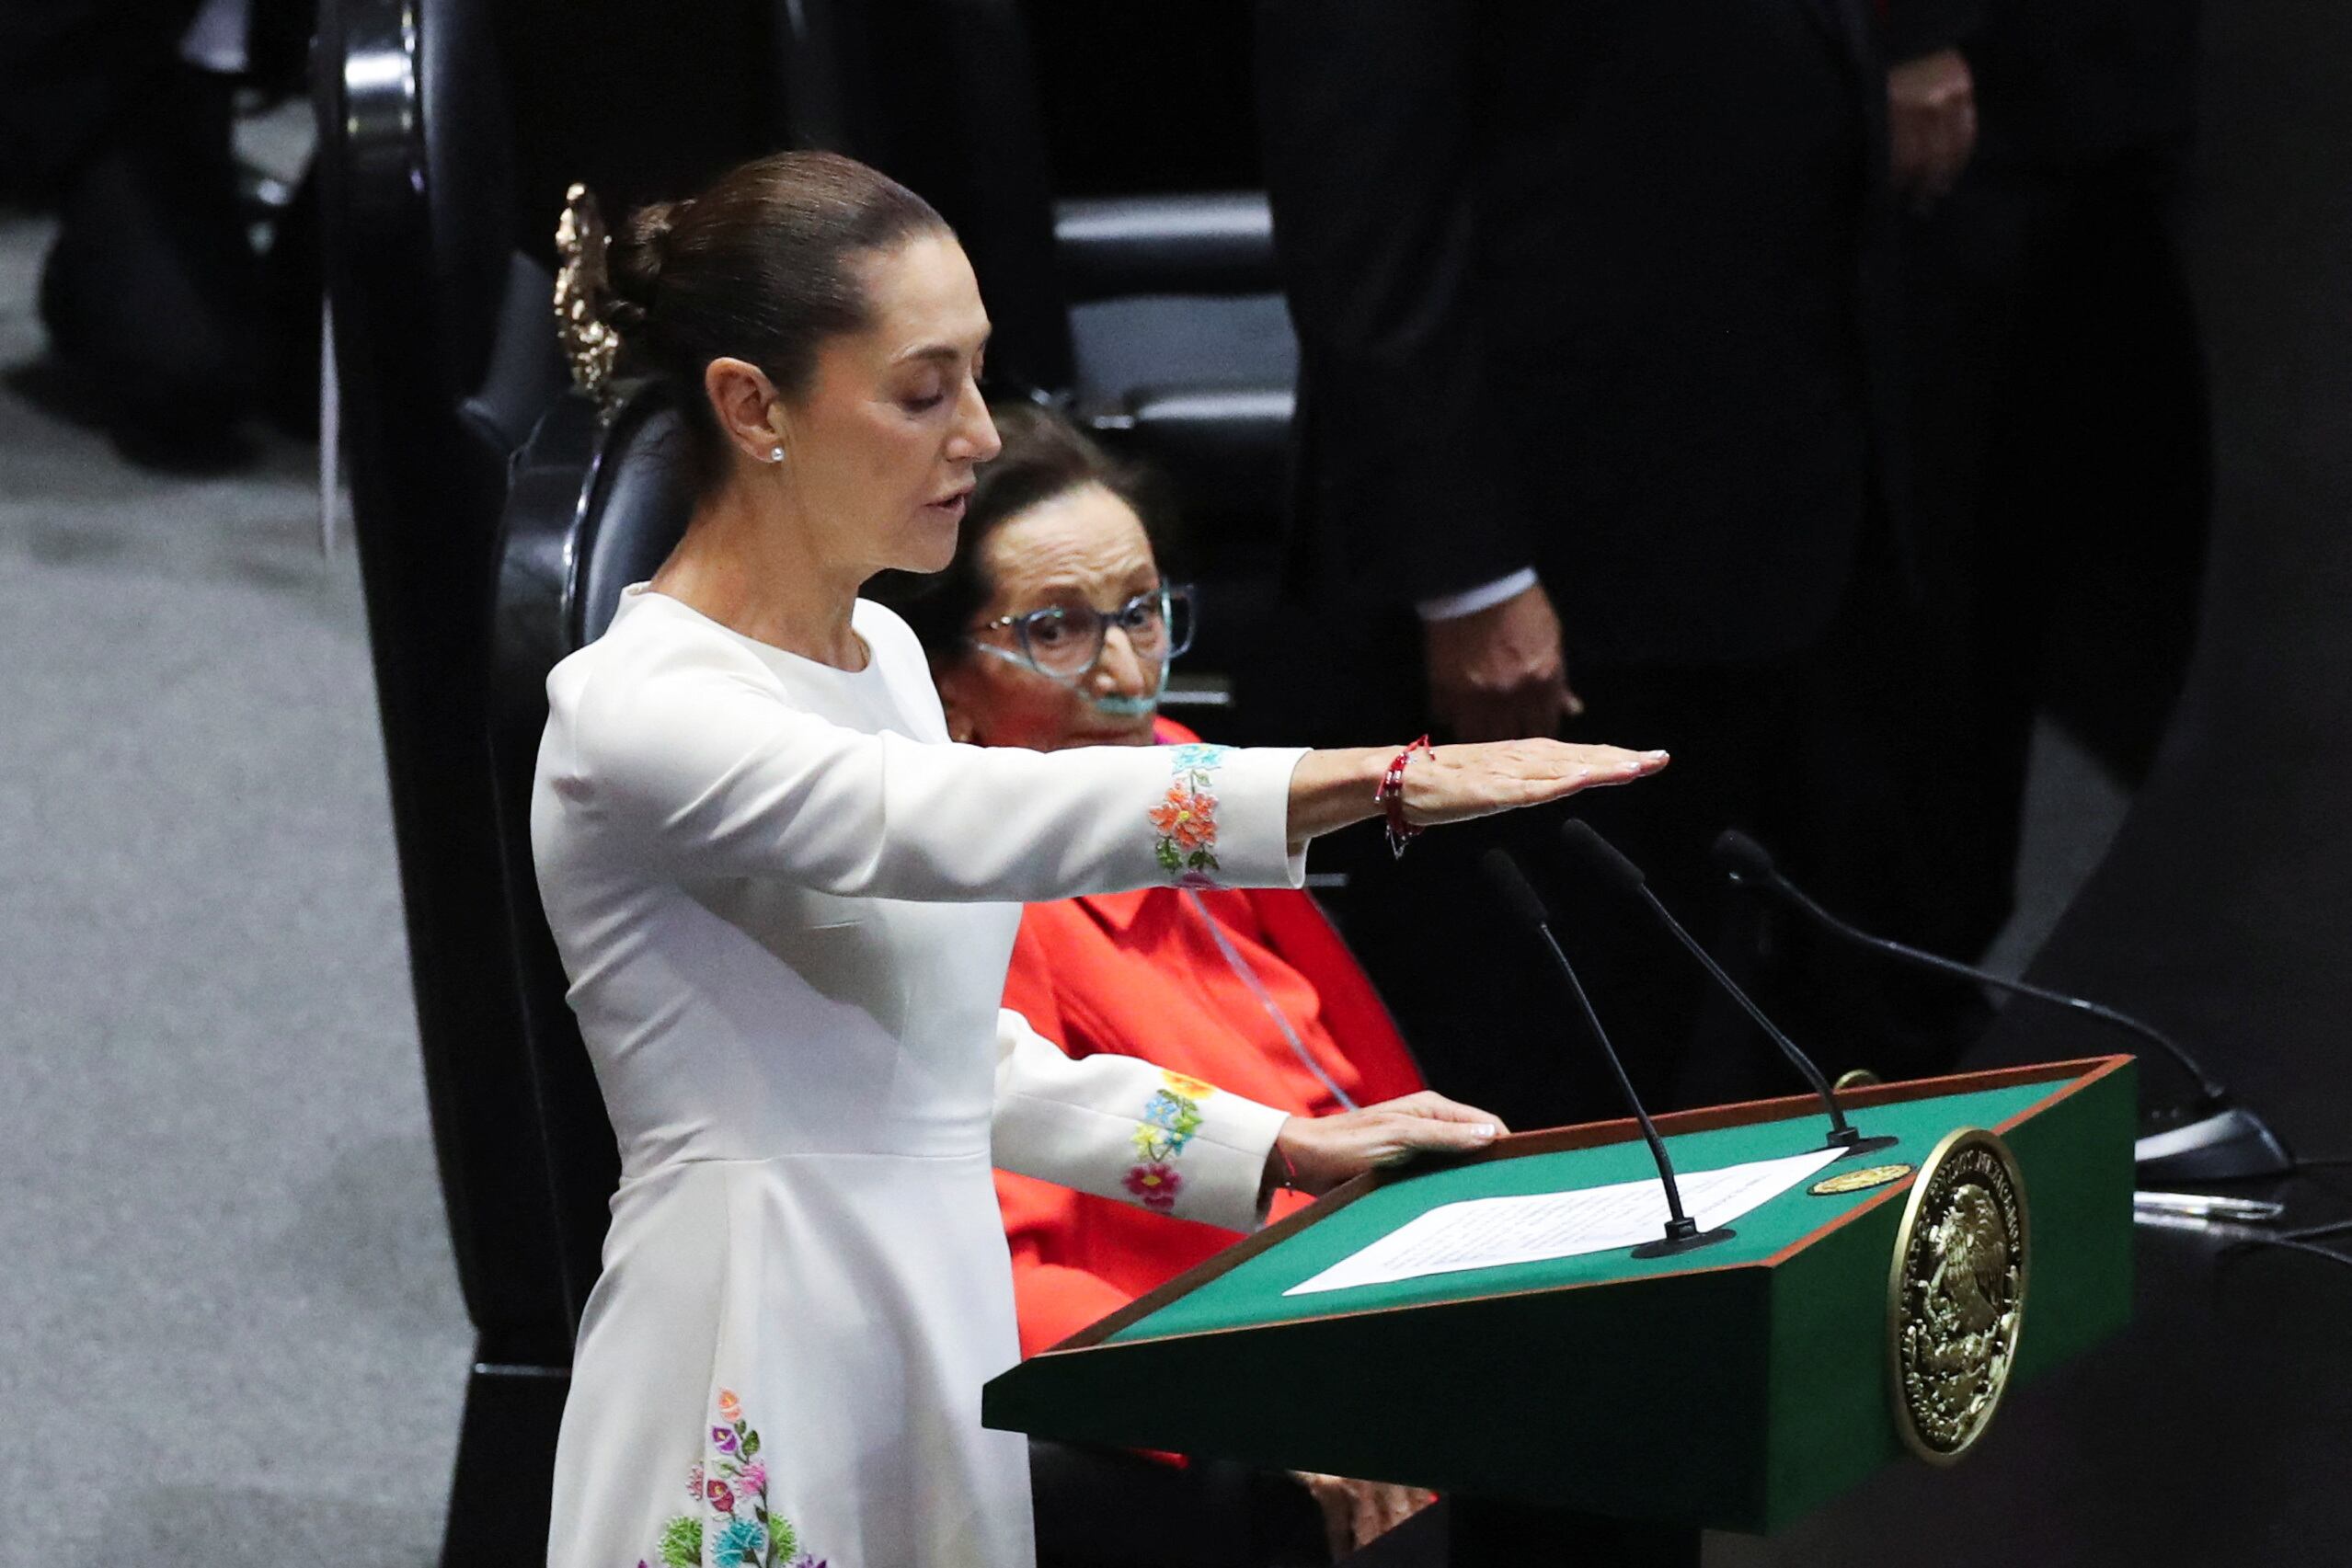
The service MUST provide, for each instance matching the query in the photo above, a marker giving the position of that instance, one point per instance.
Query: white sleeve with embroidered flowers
(708, 772)
(1120, 1127)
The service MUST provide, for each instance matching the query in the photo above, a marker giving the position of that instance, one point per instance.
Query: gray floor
(231, 1332)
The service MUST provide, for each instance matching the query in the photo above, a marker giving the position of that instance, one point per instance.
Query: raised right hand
(1453, 783)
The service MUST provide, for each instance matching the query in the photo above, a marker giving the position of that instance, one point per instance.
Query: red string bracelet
(1390, 796)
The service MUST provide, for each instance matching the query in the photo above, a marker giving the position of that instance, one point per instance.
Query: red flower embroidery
(721, 1497)
(1156, 1183)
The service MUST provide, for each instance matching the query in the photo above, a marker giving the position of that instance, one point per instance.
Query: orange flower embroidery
(1188, 817)
(1185, 818)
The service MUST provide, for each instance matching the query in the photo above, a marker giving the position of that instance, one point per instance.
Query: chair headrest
(638, 506)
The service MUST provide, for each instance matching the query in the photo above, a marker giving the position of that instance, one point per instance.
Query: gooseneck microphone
(1683, 1232)
(2212, 1139)
(1749, 863)
(1603, 857)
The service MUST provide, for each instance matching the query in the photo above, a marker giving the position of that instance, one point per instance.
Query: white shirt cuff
(1469, 601)
(1224, 1170)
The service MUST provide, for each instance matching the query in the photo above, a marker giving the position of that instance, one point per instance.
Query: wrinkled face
(878, 455)
(1083, 549)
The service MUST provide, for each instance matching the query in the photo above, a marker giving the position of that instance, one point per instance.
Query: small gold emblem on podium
(1859, 1181)
(1957, 1293)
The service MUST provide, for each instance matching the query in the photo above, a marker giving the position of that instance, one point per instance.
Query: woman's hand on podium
(1357, 1512)
(1315, 1154)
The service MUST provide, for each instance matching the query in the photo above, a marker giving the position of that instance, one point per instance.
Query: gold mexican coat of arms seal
(1957, 1293)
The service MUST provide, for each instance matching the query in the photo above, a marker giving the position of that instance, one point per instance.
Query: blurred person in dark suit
(1600, 408)
(2059, 426)
(163, 322)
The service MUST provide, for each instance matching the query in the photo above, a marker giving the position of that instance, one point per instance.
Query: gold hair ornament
(584, 288)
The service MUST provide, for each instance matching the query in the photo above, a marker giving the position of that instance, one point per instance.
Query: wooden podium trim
(2076, 1075)
(2098, 1068)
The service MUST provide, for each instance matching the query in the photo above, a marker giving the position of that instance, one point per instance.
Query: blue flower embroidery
(1170, 1118)
(740, 1541)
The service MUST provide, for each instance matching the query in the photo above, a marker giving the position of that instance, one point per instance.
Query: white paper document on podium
(1488, 1232)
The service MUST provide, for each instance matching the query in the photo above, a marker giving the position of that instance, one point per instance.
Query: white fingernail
(1484, 1130)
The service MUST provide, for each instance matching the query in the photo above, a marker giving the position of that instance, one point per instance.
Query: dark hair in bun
(759, 267)
(634, 267)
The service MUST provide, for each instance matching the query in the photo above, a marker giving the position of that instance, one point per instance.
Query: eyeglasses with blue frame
(1065, 643)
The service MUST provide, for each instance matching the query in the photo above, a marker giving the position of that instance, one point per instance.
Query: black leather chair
(448, 130)
(1152, 307)
(446, 360)
(1149, 307)
(596, 505)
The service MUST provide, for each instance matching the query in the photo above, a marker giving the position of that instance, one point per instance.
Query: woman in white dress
(785, 902)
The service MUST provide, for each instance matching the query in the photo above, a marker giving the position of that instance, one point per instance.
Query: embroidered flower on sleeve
(1170, 1118)
(1156, 1183)
(731, 1518)
(1173, 1115)
(1185, 818)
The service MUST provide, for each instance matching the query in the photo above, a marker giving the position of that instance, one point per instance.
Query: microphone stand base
(1861, 1146)
(2228, 1144)
(1672, 1246)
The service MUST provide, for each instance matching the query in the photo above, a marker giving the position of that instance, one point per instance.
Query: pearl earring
(775, 454)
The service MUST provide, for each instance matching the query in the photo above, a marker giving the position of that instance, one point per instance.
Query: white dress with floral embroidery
(786, 903)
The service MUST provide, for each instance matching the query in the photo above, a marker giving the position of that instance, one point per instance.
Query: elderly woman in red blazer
(1251, 990)
(1054, 627)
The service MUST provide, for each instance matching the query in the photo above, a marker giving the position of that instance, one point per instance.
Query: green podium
(1735, 1387)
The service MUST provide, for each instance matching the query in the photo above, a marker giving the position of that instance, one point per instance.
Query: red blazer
(1140, 974)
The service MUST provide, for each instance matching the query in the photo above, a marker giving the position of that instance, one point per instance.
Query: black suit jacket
(1599, 286)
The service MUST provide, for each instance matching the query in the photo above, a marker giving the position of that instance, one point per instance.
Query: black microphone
(1683, 1232)
(2218, 1141)
(1603, 857)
